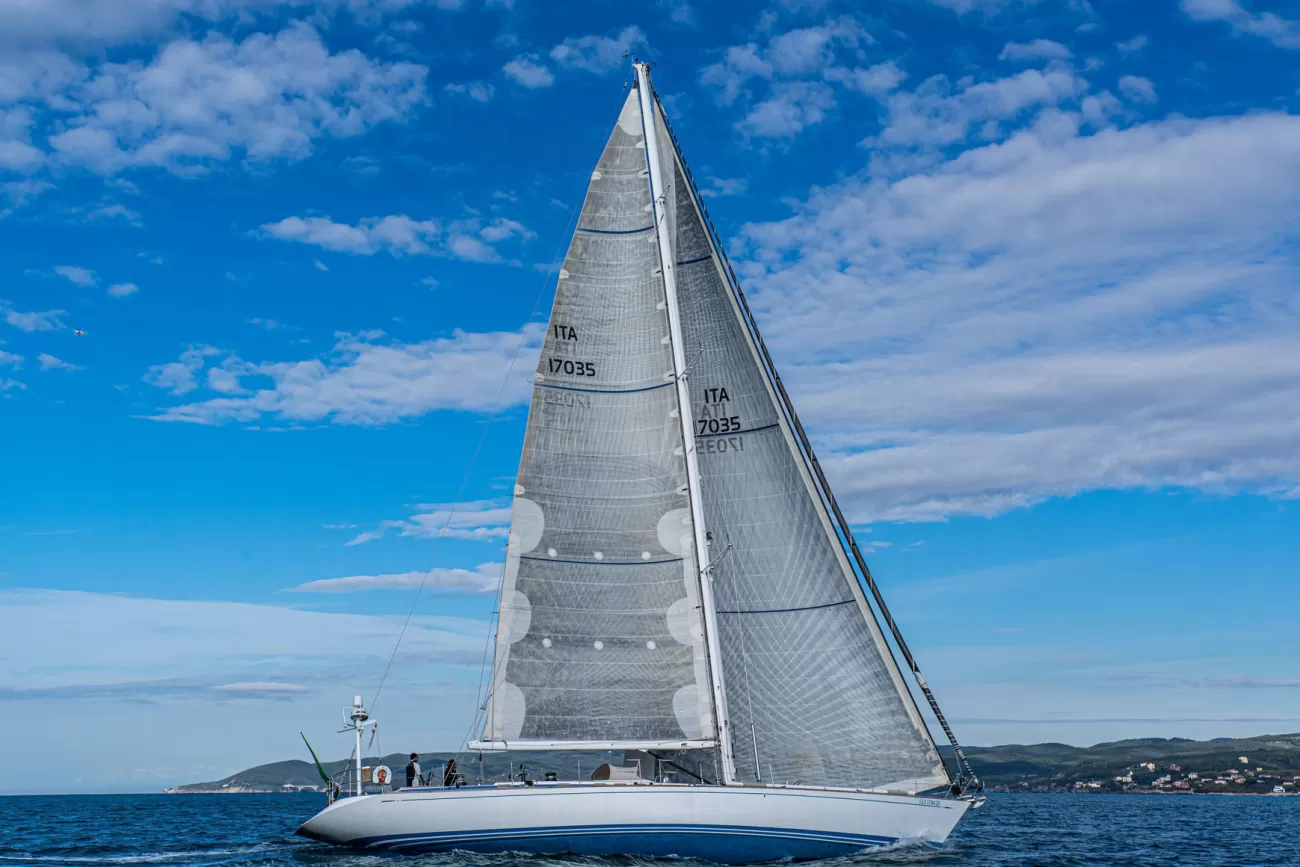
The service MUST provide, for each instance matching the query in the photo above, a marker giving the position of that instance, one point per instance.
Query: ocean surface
(1023, 830)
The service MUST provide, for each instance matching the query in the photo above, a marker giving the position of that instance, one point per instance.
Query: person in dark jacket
(413, 770)
(451, 776)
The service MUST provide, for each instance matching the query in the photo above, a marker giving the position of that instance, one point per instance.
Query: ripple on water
(1011, 831)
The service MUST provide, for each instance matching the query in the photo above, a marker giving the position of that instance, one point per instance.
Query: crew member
(413, 770)
(451, 776)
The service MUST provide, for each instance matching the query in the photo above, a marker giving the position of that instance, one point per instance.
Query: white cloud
(97, 20)
(113, 22)
(872, 80)
(471, 249)
(1198, 417)
(479, 91)
(526, 70)
(484, 579)
(37, 76)
(738, 66)
(483, 520)
(80, 276)
(787, 83)
(121, 290)
(363, 380)
(679, 12)
(1039, 49)
(1137, 89)
(1282, 32)
(49, 362)
(260, 688)
(724, 187)
(470, 239)
(598, 54)
(156, 648)
(791, 107)
(178, 377)
(47, 320)
(225, 377)
(19, 156)
(17, 153)
(21, 192)
(409, 27)
(936, 114)
(995, 7)
(806, 51)
(12, 360)
(217, 685)
(196, 103)
(1130, 46)
(395, 234)
(117, 210)
(1049, 314)
(500, 230)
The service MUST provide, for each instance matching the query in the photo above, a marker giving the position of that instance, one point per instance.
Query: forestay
(600, 637)
(813, 693)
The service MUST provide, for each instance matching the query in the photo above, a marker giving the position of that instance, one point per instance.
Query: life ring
(381, 776)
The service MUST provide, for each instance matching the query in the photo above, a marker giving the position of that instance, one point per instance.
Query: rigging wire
(478, 448)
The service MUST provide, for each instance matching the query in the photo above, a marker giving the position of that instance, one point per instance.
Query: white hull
(734, 825)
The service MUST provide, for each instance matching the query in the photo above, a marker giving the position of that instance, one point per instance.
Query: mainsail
(600, 638)
(673, 578)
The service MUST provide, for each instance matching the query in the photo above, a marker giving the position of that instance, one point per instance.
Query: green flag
(324, 776)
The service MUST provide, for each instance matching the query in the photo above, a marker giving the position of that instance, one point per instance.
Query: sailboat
(680, 583)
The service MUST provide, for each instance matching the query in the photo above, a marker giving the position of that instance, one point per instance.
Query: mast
(681, 375)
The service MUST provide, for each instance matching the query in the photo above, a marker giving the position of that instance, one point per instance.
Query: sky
(272, 282)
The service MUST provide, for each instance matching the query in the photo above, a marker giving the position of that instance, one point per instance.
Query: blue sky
(1029, 269)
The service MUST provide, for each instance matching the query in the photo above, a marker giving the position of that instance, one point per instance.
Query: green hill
(1273, 760)
(1058, 767)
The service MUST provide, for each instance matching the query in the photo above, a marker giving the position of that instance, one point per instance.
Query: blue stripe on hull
(719, 843)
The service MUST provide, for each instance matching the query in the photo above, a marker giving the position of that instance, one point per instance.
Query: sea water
(1021, 829)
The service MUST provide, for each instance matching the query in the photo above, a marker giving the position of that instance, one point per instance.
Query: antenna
(357, 718)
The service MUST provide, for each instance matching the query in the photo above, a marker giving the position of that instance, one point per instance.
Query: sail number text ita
(568, 365)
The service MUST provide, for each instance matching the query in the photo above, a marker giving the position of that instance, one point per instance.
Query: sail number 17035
(571, 367)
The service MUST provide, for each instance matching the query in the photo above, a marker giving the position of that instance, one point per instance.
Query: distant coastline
(1174, 766)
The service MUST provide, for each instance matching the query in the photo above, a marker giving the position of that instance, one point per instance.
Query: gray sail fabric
(811, 687)
(600, 635)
